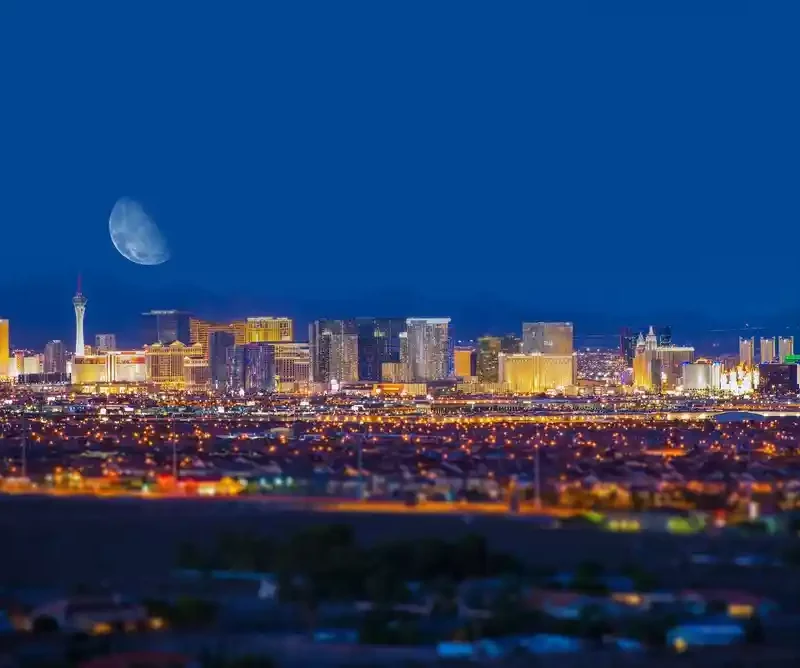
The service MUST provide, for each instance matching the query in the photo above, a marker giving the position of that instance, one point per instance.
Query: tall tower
(79, 302)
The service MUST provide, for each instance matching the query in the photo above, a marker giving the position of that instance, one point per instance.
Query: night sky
(492, 161)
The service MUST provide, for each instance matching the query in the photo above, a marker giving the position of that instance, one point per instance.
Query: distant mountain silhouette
(41, 310)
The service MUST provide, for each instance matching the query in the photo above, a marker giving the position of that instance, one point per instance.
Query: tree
(754, 630)
(45, 625)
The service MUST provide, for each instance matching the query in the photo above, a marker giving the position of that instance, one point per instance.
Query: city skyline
(117, 307)
(260, 353)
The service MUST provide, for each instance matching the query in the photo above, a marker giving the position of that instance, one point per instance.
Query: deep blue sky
(498, 159)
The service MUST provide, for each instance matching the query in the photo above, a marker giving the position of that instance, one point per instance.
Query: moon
(135, 235)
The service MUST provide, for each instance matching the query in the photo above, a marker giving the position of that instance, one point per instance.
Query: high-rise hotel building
(535, 373)
(166, 326)
(269, 330)
(428, 351)
(489, 348)
(747, 349)
(5, 360)
(104, 343)
(334, 351)
(785, 347)
(378, 343)
(165, 363)
(656, 367)
(465, 362)
(202, 331)
(5, 352)
(547, 338)
(767, 349)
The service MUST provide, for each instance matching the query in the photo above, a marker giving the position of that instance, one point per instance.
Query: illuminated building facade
(166, 326)
(292, 363)
(269, 330)
(547, 338)
(535, 373)
(701, 376)
(334, 351)
(127, 366)
(767, 349)
(89, 369)
(104, 343)
(218, 345)
(657, 368)
(5, 352)
(394, 372)
(251, 368)
(465, 362)
(201, 331)
(672, 359)
(557, 371)
(32, 365)
(778, 378)
(739, 381)
(489, 349)
(428, 349)
(747, 349)
(378, 342)
(195, 373)
(165, 363)
(55, 357)
(785, 348)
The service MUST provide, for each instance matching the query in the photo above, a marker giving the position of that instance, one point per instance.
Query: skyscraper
(548, 338)
(658, 367)
(79, 303)
(429, 351)
(378, 342)
(251, 368)
(55, 357)
(334, 351)
(5, 352)
(767, 349)
(785, 347)
(166, 363)
(200, 331)
(166, 326)
(489, 349)
(464, 362)
(747, 351)
(511, 344)
(105, 343)
(269, 330)
(218, 344)
(292, 366)
(627, 346)
(530, 374)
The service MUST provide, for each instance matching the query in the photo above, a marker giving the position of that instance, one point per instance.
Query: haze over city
(399, 334)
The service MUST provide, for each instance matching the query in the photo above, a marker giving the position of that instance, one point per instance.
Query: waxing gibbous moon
(135, 235)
